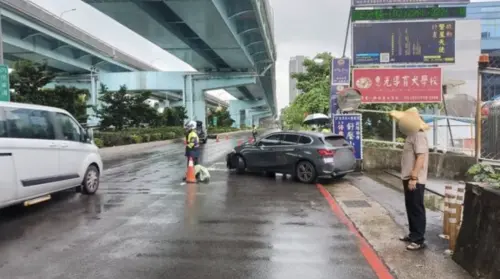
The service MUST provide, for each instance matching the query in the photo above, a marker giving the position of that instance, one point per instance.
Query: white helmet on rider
(190, 125)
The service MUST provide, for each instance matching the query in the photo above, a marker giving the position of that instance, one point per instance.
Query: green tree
(222, 115)
(315, 83)
(28, 81)
(174, 116)
(122, 109)
(72, 99)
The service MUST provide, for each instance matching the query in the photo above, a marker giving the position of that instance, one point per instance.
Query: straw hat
(409, 119)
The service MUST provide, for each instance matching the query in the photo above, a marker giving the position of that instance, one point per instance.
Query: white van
(44, 150)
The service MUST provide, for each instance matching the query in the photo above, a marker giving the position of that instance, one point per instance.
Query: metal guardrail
(455, 137)
(47, 19)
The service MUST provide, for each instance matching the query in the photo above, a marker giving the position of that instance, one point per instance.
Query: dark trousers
(414, 202)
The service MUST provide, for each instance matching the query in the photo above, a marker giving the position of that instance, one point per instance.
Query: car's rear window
(336, 141)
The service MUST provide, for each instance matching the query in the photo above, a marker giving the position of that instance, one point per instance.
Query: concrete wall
(450, 166)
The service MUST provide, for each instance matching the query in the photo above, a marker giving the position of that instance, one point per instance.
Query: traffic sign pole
(1, 40)
(4, 84)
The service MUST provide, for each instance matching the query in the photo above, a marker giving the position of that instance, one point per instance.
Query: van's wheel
(90, 182)
(241, 165)
(305, 172)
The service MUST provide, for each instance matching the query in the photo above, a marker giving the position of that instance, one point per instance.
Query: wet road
(145, 224)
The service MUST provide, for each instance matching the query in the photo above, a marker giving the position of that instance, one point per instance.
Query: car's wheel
(305, 172)
(240, 165)
(90, 182)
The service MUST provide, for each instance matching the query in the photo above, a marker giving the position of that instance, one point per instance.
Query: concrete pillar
(235, 110)
(195, 86)
(195, 100)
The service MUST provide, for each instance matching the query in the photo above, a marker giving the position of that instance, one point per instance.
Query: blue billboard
(340, 71)
(403, 42)
(351, 127)
(375, 3)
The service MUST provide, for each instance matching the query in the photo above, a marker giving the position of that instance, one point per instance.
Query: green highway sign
(409, 13)
(4, 83)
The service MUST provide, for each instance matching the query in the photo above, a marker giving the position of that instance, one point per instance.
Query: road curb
(378, 227)
(374, 260)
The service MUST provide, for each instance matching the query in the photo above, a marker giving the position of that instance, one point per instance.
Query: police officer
(192, 143)
(254, 132)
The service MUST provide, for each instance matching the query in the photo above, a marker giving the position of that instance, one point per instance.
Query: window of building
(490, 9)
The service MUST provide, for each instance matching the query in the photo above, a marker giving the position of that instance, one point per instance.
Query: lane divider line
(369, 254)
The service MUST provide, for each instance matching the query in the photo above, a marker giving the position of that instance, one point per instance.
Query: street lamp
(67, 11)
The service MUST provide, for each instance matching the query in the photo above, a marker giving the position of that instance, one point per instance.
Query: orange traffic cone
(190, 175)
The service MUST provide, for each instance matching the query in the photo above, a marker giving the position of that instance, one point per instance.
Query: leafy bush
(170, 135)
(146, 138)
(98, 142)
(140, 135)
(382, 144)
(484, 173)
(136, 138)
(155, 136)
(216, 130)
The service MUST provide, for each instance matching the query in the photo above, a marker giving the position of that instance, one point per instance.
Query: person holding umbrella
(318, 119)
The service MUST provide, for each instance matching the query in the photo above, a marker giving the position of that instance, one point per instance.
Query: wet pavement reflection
(144, 223)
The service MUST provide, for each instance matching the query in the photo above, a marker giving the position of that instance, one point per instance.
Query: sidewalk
(379, 214)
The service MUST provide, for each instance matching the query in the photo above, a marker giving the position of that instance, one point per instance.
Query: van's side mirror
(89, 133)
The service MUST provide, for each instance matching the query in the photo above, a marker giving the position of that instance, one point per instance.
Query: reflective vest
(326, 130)
(192, 140)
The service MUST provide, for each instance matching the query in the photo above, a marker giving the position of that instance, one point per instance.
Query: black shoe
(405, 238)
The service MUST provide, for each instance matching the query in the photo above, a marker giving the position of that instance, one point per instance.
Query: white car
(44, 150)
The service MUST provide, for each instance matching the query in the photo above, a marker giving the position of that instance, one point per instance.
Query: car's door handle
(53, 145)
(64, 145)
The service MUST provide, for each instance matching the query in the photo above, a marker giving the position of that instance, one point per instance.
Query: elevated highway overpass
(223, 39)
(31, 33)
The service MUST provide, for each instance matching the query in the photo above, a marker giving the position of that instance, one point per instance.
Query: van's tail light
(326, 152)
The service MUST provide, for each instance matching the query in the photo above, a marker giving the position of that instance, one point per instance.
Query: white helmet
(190, 125)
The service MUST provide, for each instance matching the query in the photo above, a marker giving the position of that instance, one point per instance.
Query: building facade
(296, 65)
(489, 15)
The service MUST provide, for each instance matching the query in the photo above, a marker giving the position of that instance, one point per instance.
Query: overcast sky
(302, 27)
